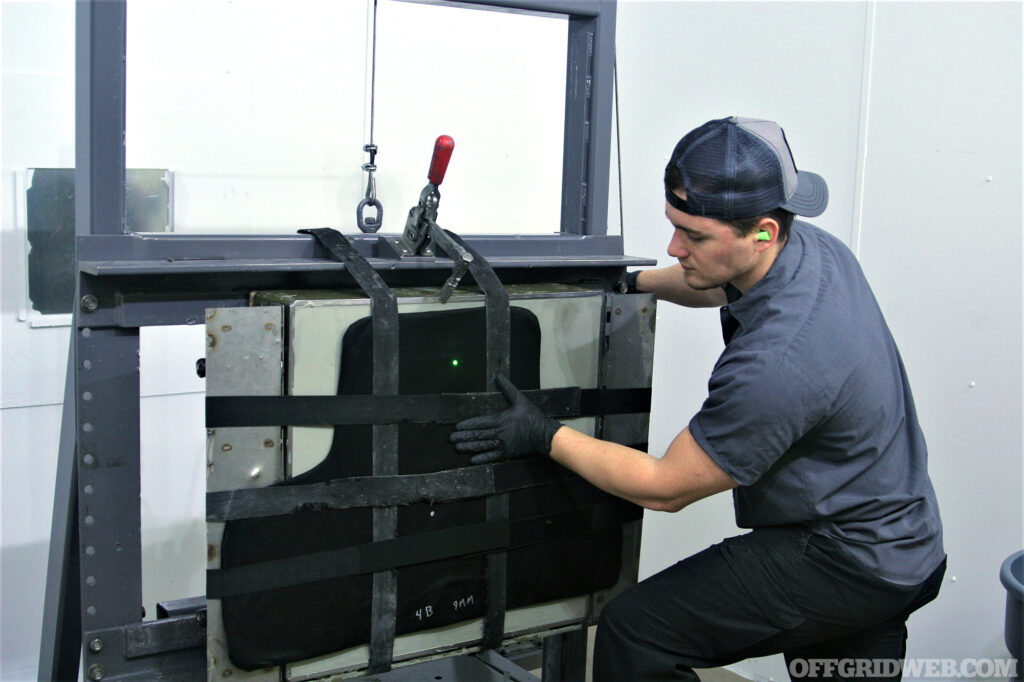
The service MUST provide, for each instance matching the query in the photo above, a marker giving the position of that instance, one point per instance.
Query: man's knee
(619, 617)
(618, 647)
(634, 643)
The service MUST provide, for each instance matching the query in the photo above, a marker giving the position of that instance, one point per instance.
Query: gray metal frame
(126, 281)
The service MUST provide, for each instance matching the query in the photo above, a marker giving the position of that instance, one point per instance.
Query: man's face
(711, 252)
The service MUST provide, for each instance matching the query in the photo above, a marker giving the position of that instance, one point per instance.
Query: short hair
(744, 226)
(747, 225)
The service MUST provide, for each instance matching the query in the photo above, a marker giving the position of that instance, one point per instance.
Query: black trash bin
(1012, 576)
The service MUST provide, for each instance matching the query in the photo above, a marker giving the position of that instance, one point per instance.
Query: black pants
(777, 590)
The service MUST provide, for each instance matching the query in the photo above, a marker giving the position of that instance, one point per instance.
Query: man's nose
(677, 249)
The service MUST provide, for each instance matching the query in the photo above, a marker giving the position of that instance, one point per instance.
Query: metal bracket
(434, 241)
(172, 644)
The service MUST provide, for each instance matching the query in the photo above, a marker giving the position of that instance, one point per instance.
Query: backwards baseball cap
(740, 168)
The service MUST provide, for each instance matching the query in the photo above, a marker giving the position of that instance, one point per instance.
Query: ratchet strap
(498, 349)
(384, 309)
(389, 491)
(387, 555)
(444, 408)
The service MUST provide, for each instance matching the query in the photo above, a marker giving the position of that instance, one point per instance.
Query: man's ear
(765, 234)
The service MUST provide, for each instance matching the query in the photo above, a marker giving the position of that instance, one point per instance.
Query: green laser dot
(455, 362)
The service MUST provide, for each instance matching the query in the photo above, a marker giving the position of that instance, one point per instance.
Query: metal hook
(370, 223)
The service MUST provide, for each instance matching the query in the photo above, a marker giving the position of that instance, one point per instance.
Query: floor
(707, 675)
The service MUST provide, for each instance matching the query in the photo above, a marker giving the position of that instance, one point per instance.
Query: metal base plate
(486, 666)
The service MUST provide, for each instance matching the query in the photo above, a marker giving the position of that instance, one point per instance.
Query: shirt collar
(747, 308)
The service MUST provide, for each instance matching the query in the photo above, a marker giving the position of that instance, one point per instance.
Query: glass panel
(493, 81)
(261, 110)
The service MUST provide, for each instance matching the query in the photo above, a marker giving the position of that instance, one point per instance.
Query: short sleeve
(759, 404)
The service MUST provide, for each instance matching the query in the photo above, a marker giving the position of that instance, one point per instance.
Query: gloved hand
(519, 431)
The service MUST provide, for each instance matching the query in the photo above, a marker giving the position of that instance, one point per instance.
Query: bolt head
(95, 671)
(96, 645)
(90, 303)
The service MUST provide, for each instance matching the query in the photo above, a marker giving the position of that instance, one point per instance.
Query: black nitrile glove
(519, 431)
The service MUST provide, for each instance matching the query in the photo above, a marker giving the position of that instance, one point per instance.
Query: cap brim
(811, 196)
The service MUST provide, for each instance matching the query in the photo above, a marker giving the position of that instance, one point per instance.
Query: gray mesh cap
(742, 167)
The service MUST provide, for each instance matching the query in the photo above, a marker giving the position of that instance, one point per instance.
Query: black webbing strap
(384, 310)
(388, 555)
(387, 491)
(496, 310)
(444, 408)
(498, 361)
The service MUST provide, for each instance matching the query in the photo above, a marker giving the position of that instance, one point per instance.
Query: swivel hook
(365, 222)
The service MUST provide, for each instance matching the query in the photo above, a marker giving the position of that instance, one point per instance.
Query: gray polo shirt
(810, 411)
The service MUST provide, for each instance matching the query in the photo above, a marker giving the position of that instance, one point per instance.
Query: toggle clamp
(422, 235)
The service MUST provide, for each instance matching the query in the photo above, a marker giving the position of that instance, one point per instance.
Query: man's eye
(695, 238)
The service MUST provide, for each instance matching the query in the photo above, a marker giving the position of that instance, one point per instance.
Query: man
(809, 421)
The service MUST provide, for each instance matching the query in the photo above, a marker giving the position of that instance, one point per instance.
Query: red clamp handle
(443, 148)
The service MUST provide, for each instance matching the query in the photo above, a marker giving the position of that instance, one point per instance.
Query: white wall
(944, 156)
(906, 109)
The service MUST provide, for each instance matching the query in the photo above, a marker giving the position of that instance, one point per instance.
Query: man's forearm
(668, 284)
(621, 471)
